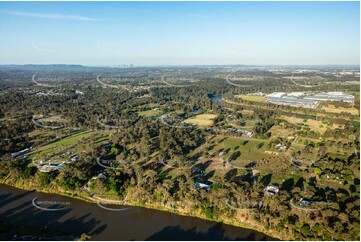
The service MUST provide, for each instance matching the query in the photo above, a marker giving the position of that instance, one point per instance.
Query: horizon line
(148, 65)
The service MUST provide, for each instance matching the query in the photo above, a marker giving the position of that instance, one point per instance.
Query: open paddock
(202, 120)
(333, 109)
(252, 98)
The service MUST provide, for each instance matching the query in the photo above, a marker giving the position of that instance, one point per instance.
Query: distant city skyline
(180, 33)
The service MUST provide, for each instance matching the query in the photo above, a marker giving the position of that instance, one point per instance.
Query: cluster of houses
(47, 93)
(270, 191)
(48, 167)
(241, 131)
(43, 167)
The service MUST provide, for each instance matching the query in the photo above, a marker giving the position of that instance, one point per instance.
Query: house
(199, 185)
(324, 175)
(241, 131)
(232, 129)
(245, 132)
(75, 157)
(280, 147)
(49, 168)
(21, 152)
(46, 168)
(304, 203)
(272, 190)
(102, 176)
(79, 92)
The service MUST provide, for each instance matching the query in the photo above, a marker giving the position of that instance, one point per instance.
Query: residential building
(272, 190)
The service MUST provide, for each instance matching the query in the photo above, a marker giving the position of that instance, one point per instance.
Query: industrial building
(331, 96)
(276, 94)
(296, 94)
(293, 102)
(307, 99)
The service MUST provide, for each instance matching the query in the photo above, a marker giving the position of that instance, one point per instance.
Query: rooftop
(290, 100)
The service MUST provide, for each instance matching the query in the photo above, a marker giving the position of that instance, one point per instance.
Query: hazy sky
(168, 33)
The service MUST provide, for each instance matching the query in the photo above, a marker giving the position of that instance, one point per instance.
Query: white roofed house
(199, 185)
(21, 152)
(245, 132)
(280, 147)
(304, 203)
(49, 168)
(272, 190)
(75, 157)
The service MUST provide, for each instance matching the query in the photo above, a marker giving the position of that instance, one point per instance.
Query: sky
(180, 33)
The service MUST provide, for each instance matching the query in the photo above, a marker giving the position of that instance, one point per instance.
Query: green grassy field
(246, 112)
(280, 131)
(315, 125)
(58, 146)
(150, 113)
(252, 98)
(55, 118)
(203, 120)
(248, 148)
(248, 125)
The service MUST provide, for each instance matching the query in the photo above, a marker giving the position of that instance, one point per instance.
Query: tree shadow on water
(9, 198)
(217, 232)
(66, 221)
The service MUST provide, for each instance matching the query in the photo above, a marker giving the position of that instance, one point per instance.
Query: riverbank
(252, 225)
